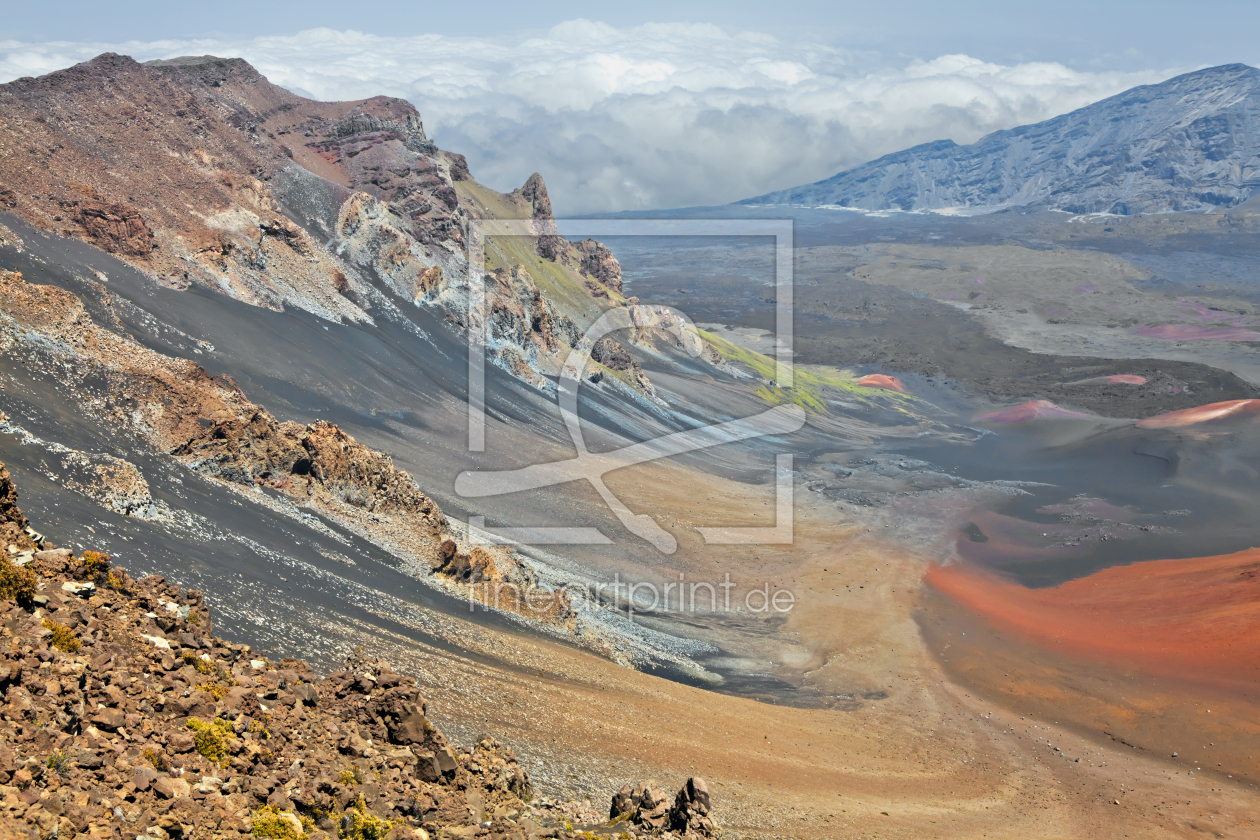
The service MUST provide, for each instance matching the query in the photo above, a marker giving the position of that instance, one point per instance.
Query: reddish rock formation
(883, 381)
(690, 814)
(116, 228)
(304, 461)
(115, 152)
(1196, 618)
(1035, 410)
(1221, 413)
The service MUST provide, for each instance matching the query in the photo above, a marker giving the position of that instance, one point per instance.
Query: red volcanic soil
(1189, 332)
(1122, 379)
(1212, 412)
(1035, 410)
(879, 380)
(1197, 618)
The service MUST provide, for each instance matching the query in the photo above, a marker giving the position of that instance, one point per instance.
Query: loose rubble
(124, 716)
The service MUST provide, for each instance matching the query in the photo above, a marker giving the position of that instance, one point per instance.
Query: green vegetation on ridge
(809, 382)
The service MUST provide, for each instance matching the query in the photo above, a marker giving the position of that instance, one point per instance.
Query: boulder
(643, 802)
(690, 813)
(402, 710)
(427, 769)
(143, 777)
(108, 719)
(169, 788)
(15, 829)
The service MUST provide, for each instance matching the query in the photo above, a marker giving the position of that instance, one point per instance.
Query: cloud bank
(658, 115)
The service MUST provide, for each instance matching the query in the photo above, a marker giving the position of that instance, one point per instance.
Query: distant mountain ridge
(1191, 143)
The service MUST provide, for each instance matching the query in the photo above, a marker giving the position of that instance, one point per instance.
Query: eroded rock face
(116, 228)
(297, 203)
(525, 328)
(595, 260)
(611, 354)
(210, 424)
(305, 460)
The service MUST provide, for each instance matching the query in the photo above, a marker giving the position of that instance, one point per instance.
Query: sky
(669, 104)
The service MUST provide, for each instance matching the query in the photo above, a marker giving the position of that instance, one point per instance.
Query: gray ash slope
(1191, 143)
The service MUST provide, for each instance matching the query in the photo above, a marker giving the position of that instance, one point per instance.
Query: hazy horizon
(626, 115)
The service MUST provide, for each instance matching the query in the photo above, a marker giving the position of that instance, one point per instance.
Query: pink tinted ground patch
(1035, 410)
(880, 380)
(1122, 379)
(1189, 332)
(1207, 313)
(1221, 412)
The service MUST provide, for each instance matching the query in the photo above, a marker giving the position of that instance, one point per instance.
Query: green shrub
(216, 690)
(202, 666)
(212, 738)
(59, 762)
(270, 822)
(117, 581)
(63, 637)
(95, 566)
(159, 760)
(17, 583)
(358, 824)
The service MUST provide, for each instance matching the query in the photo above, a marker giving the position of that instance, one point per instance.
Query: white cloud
(658, 115)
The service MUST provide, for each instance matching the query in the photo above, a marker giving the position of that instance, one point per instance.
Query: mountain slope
(1191, 143)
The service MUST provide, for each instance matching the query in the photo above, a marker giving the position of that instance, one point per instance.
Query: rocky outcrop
(208, 423)
(690, 813)
(458, 166)
(312, 461)
(612, 355)
(538, 205)
(116, 228)
(13, 524)
(597, 262)
(527, 336)
(372, 236)
(534, 191)
(1187, 144)
(647, 807)
(472, 567)
(643, 803)
(112, 482)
